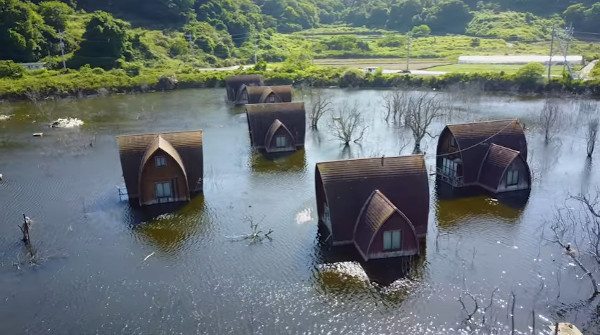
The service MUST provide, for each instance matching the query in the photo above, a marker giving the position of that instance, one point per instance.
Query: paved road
(585, 72)
(413, 72)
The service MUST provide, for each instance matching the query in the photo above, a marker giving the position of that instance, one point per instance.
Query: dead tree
(549, 119)
(395, 103)
(25, 228)
(420, 112)
(320, 104)
(581, 226)
(591, 136)
(347, 124)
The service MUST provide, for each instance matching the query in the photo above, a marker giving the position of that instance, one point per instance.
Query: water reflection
(278, 162)
(383, 272)
(514, 199)
(167, 229)
(452, 212)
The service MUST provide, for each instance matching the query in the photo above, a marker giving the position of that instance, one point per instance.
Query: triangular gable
(374, 215)
(494, 166)
(160, 143)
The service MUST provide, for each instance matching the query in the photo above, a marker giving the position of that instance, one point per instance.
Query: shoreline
(77, 85)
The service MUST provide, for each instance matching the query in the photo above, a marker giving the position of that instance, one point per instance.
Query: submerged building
(277, 127)
(264, 94)
(491, 155)
(380, 205)
(235, 84)
(161, 168)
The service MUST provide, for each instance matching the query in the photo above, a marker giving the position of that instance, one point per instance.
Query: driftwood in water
(25, 228)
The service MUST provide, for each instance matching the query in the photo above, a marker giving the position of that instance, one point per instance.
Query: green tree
(530, 73)
(55, 14)
(10, 69)
(402, 14)
(448, 16)
(419, 31)
(105, 41)
(378, 17)
(22, 31)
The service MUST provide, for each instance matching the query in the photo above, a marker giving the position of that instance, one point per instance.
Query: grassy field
(475, 68)
(385, 63)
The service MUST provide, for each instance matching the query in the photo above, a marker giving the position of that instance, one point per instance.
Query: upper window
(281, 141)
(161, 161)
(392, 240)
(271, 98)
(453, 142)
(512, 177)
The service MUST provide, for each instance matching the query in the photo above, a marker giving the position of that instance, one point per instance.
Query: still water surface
(97, 269)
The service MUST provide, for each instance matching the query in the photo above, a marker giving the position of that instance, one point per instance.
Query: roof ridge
(384, 198)
(162, 133)
(475, 122)
(369, 158)
(503, 147)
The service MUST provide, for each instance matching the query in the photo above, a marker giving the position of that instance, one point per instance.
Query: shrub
(422, 30)
(530, 73)
(10, 69)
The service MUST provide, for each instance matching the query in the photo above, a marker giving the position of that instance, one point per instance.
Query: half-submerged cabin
(277, 127)
(264, 94)
(161, 168)
(381, 205)
(234, 84)
(490, 154)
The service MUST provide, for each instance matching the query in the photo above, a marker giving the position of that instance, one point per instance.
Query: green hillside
(145, 40)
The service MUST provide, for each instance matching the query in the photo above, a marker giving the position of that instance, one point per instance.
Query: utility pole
(551, 51)
(408, 53)
(564, 42)
(61, 44)
(255, 47)
(189, 38)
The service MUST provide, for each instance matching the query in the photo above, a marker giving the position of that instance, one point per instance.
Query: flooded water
(100, 267)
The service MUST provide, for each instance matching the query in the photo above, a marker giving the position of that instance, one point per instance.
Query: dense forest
(115, 33)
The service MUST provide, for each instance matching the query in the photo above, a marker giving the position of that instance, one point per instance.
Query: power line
(476, 144)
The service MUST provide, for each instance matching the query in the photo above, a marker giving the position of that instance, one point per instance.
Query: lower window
(392, 240)
(281, 141)
(512, 177)
(163, 191)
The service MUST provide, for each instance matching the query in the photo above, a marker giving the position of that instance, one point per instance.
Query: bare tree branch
(549, 119)
(421, 111)
(591, 136)
(580, 223)
(396, 104)
(347, 124)
(320, 104)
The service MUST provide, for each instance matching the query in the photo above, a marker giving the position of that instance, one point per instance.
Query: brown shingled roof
(475, 138)
(493, 167)
(377, 210)
(262, 116)
(347, 184)
(188, 146)
(234, 84)
(259, 94)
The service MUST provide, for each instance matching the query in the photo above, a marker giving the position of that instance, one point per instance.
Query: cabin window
(512, 177)
(453, 142)
(163, 191)
(161, 161)
(392, 240)
(271, 98)
(281, 141)
(449, 167)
